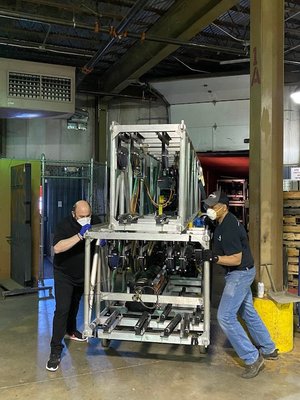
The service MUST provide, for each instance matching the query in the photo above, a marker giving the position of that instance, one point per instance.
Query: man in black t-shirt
(232, 251)
(68, 264)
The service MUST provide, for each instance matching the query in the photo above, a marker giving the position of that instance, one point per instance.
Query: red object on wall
(220, 165)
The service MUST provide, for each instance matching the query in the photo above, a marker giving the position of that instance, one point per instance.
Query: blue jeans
(237, 300)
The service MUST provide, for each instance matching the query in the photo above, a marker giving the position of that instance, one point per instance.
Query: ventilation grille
(39, 87)
(36, 90)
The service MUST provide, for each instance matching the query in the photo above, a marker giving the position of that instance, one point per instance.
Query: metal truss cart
(146, 281)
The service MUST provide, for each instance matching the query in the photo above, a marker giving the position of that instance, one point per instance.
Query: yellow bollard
(278, 319)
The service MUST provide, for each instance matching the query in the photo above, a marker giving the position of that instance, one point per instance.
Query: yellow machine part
(160, 204)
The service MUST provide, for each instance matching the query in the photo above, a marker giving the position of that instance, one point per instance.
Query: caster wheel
(105, 343)
(202, 349)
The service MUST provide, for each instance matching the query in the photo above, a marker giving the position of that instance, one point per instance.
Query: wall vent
(31, 89)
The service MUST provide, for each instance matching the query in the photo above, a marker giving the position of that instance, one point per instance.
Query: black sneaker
(253, 369)
(271, 356)
(76, 336)
(53, 362)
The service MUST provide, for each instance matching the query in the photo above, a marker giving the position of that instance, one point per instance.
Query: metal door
(21, 241)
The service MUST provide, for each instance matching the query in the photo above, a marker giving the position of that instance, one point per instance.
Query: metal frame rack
(148, 283)
(237, 192)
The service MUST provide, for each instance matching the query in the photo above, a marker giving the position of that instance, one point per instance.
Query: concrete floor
(127, 370)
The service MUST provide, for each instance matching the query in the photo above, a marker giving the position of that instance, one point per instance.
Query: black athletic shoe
(53, 362)
(76, 336)
(253, 369)
(271, 356)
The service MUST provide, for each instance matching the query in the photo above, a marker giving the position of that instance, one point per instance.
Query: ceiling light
(295, 95)
(236, 61)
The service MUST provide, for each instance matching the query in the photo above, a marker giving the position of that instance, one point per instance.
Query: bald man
(68, 265)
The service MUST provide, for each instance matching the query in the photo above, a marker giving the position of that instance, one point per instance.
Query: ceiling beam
(183, 21)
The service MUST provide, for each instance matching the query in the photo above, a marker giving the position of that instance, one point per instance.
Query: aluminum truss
(148, 283)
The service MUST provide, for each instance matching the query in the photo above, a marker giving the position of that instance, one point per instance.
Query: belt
(228, 269)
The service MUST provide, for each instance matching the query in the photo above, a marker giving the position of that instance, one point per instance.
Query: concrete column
(266, 136)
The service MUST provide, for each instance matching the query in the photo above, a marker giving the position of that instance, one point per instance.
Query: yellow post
(278, 319)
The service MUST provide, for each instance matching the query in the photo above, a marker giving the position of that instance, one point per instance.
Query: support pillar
(266, 137)
(101, 133)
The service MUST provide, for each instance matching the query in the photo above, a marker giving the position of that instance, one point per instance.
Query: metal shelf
(237, 192)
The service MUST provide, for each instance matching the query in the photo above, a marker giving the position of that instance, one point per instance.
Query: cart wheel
(105, 343)
(202, 349)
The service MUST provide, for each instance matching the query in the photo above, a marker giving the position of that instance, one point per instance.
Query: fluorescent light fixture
(295, 96)
(236, 61)
(28, 115)
(79, 120)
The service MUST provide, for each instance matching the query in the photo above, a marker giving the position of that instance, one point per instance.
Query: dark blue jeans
(67, 298)
(237, 300)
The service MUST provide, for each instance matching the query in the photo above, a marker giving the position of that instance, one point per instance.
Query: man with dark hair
(68, 265)
(232, 251)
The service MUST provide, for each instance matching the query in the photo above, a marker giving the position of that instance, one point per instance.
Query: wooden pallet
(291, 234)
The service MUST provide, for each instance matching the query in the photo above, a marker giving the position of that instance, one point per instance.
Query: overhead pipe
(95, 59)
(34, 46)
(120, 35)
(126, 96)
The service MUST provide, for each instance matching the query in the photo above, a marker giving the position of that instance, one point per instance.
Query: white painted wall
(132, 112)
(217, 112)
(215, 126)
(291, 142)
(29, 138)
(200, 90)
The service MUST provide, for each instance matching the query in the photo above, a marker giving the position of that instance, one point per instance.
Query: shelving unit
(237, 192)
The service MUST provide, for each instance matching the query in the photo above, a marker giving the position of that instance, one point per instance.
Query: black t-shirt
(230, 237)
(70, 262)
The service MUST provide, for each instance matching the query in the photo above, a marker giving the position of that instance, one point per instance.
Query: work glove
(84, 229)
(208, 255)
(102, 242)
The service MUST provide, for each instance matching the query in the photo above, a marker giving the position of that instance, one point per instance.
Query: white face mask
(211, 214)
(84, 221)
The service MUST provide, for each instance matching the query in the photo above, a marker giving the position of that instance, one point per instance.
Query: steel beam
(183, 21)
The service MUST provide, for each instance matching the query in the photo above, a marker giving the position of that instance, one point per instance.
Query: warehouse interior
(219, 66)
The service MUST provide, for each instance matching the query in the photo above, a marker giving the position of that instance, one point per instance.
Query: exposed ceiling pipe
(292, 16)
(49, 48)
(126, 96)
(46, 37)
(42, 19)
(247, 60)
(246, 43)
(96, 58)
(190, 68)
(146, 37)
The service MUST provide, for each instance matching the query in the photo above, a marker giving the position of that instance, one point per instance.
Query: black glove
(208, 255)
(84, 229)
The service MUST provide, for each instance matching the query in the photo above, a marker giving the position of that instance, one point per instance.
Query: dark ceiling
(118, 46)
